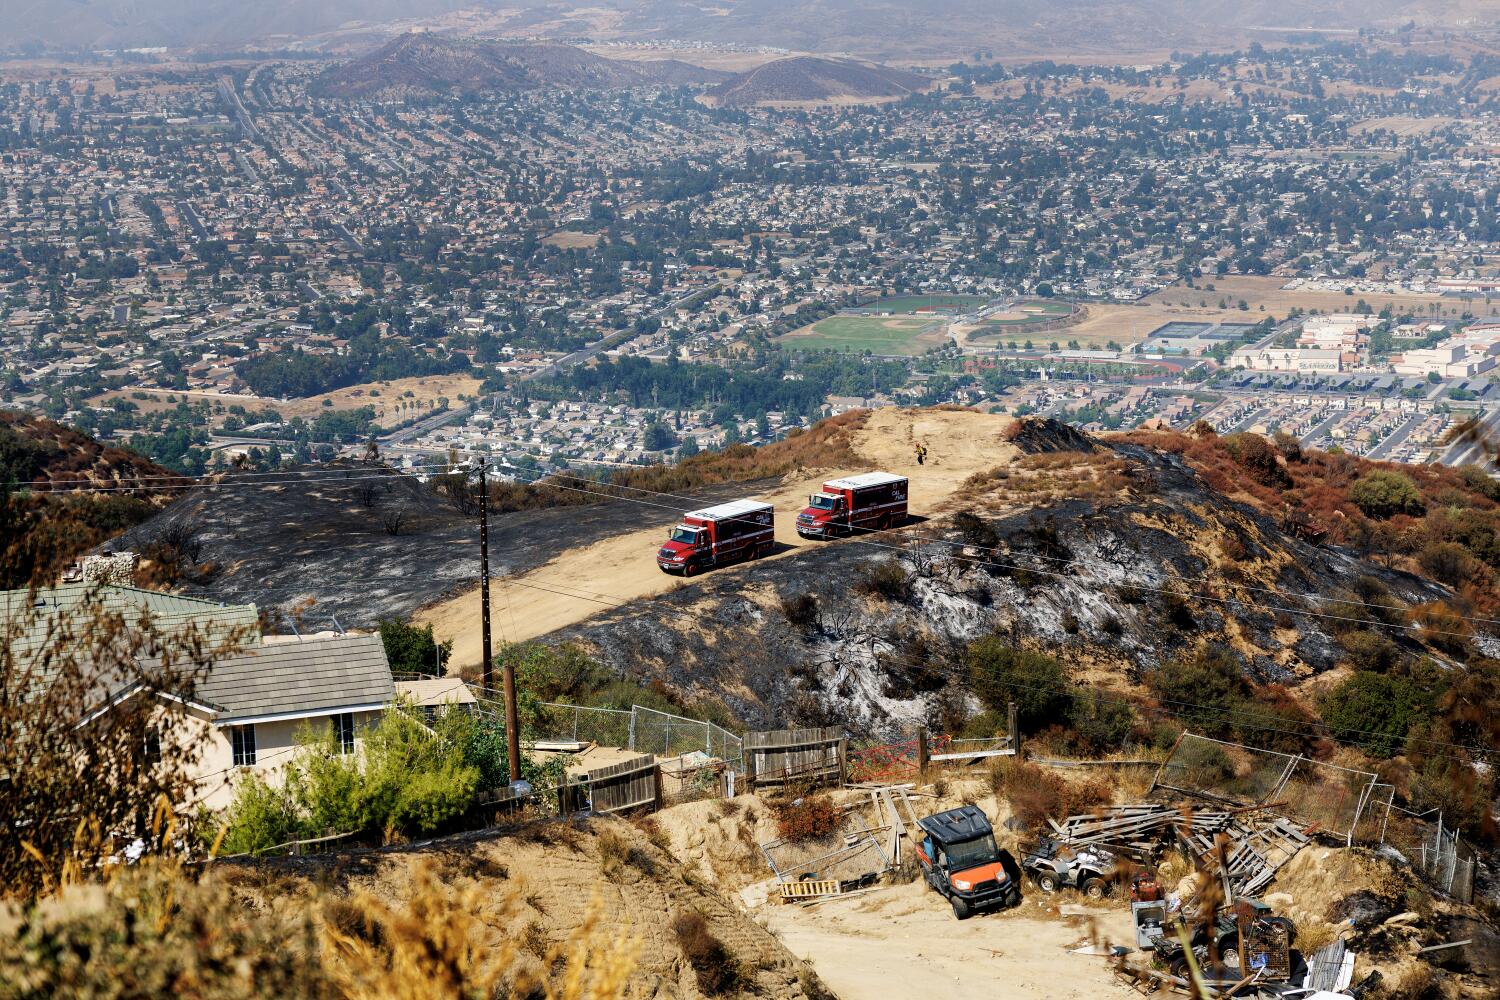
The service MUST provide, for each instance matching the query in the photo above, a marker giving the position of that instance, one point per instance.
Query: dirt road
(581, 582)
(902, 941)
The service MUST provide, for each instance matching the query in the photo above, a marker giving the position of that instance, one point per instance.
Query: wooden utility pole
(508, 671)
(488, 674)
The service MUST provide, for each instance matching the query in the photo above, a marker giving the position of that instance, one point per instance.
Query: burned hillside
(1119, 560)
(358, 547)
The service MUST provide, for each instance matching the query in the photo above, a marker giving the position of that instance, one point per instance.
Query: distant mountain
(880, 29)
(424, 63)
(808, 78)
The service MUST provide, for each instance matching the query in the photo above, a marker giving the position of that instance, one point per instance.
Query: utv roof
(865, 481)
(957, 825)
(734, 508)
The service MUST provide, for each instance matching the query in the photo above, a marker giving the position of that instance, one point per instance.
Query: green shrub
(1375, 711)
(999, 673)
(1448, 563)
(1100, 722)
(1382, 493)
(403, 778)
(411, 649)
(1211, 679)
(260, 818)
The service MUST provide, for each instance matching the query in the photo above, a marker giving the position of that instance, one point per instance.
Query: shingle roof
(28, 619)
(315, 676)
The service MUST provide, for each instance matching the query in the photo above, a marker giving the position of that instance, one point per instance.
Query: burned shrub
(801, 610)
(975, 531)
(717, 970)
(1177, 610)
(888, 579)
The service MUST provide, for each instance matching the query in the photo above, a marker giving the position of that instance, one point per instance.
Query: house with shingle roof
(248, 706)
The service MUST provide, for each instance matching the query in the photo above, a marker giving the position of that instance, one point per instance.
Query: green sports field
(878, 334)
(924, 303)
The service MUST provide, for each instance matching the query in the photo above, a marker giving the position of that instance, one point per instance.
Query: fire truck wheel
(690, 569)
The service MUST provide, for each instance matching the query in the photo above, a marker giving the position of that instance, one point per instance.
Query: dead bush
(812, 817)
(888, 579)
(1035, 793)
(1443, 628)
(801, 611)
(718, 972)
(655, 835)
(813, 987)
(616, 853)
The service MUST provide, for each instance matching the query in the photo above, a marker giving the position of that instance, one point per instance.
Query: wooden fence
(791, 756)
(630, 784)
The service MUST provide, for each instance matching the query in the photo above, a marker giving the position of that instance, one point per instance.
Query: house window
(151, 748)
(242, 744)
(343, 731)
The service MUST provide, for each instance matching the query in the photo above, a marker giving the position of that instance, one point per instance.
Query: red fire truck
(870, 502)
(740, 529)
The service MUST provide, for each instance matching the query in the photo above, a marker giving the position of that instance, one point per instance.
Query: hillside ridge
(812, 78)
(419, 63)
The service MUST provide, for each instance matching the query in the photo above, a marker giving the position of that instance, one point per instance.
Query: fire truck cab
(714, 536)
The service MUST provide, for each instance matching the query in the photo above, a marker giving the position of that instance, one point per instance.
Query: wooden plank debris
(1259, 843)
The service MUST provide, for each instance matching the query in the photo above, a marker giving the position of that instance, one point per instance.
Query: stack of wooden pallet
(1133, 830)
(1259, 842)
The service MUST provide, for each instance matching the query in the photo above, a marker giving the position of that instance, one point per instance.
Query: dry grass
(827, 444)
(157, 931)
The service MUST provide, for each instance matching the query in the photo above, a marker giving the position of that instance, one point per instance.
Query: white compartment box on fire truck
(740, 529)
(872, 501)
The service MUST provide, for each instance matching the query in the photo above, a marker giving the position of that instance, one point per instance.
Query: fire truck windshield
(684, 535)
(821, 501)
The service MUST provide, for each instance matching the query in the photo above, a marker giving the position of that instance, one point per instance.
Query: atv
(1053, 866)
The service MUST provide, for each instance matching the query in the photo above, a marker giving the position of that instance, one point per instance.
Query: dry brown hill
(421, 63)
(808, 78)
(35, 449)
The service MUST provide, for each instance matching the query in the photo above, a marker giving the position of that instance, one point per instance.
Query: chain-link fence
(1435, 850)
(668, 735)
(1325, 797)
(610, 727)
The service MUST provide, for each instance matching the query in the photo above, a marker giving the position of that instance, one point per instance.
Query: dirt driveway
(902, 941)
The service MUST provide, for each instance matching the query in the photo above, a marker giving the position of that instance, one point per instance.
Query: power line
(1197, 712)
(1227, 601)
(541, 478)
